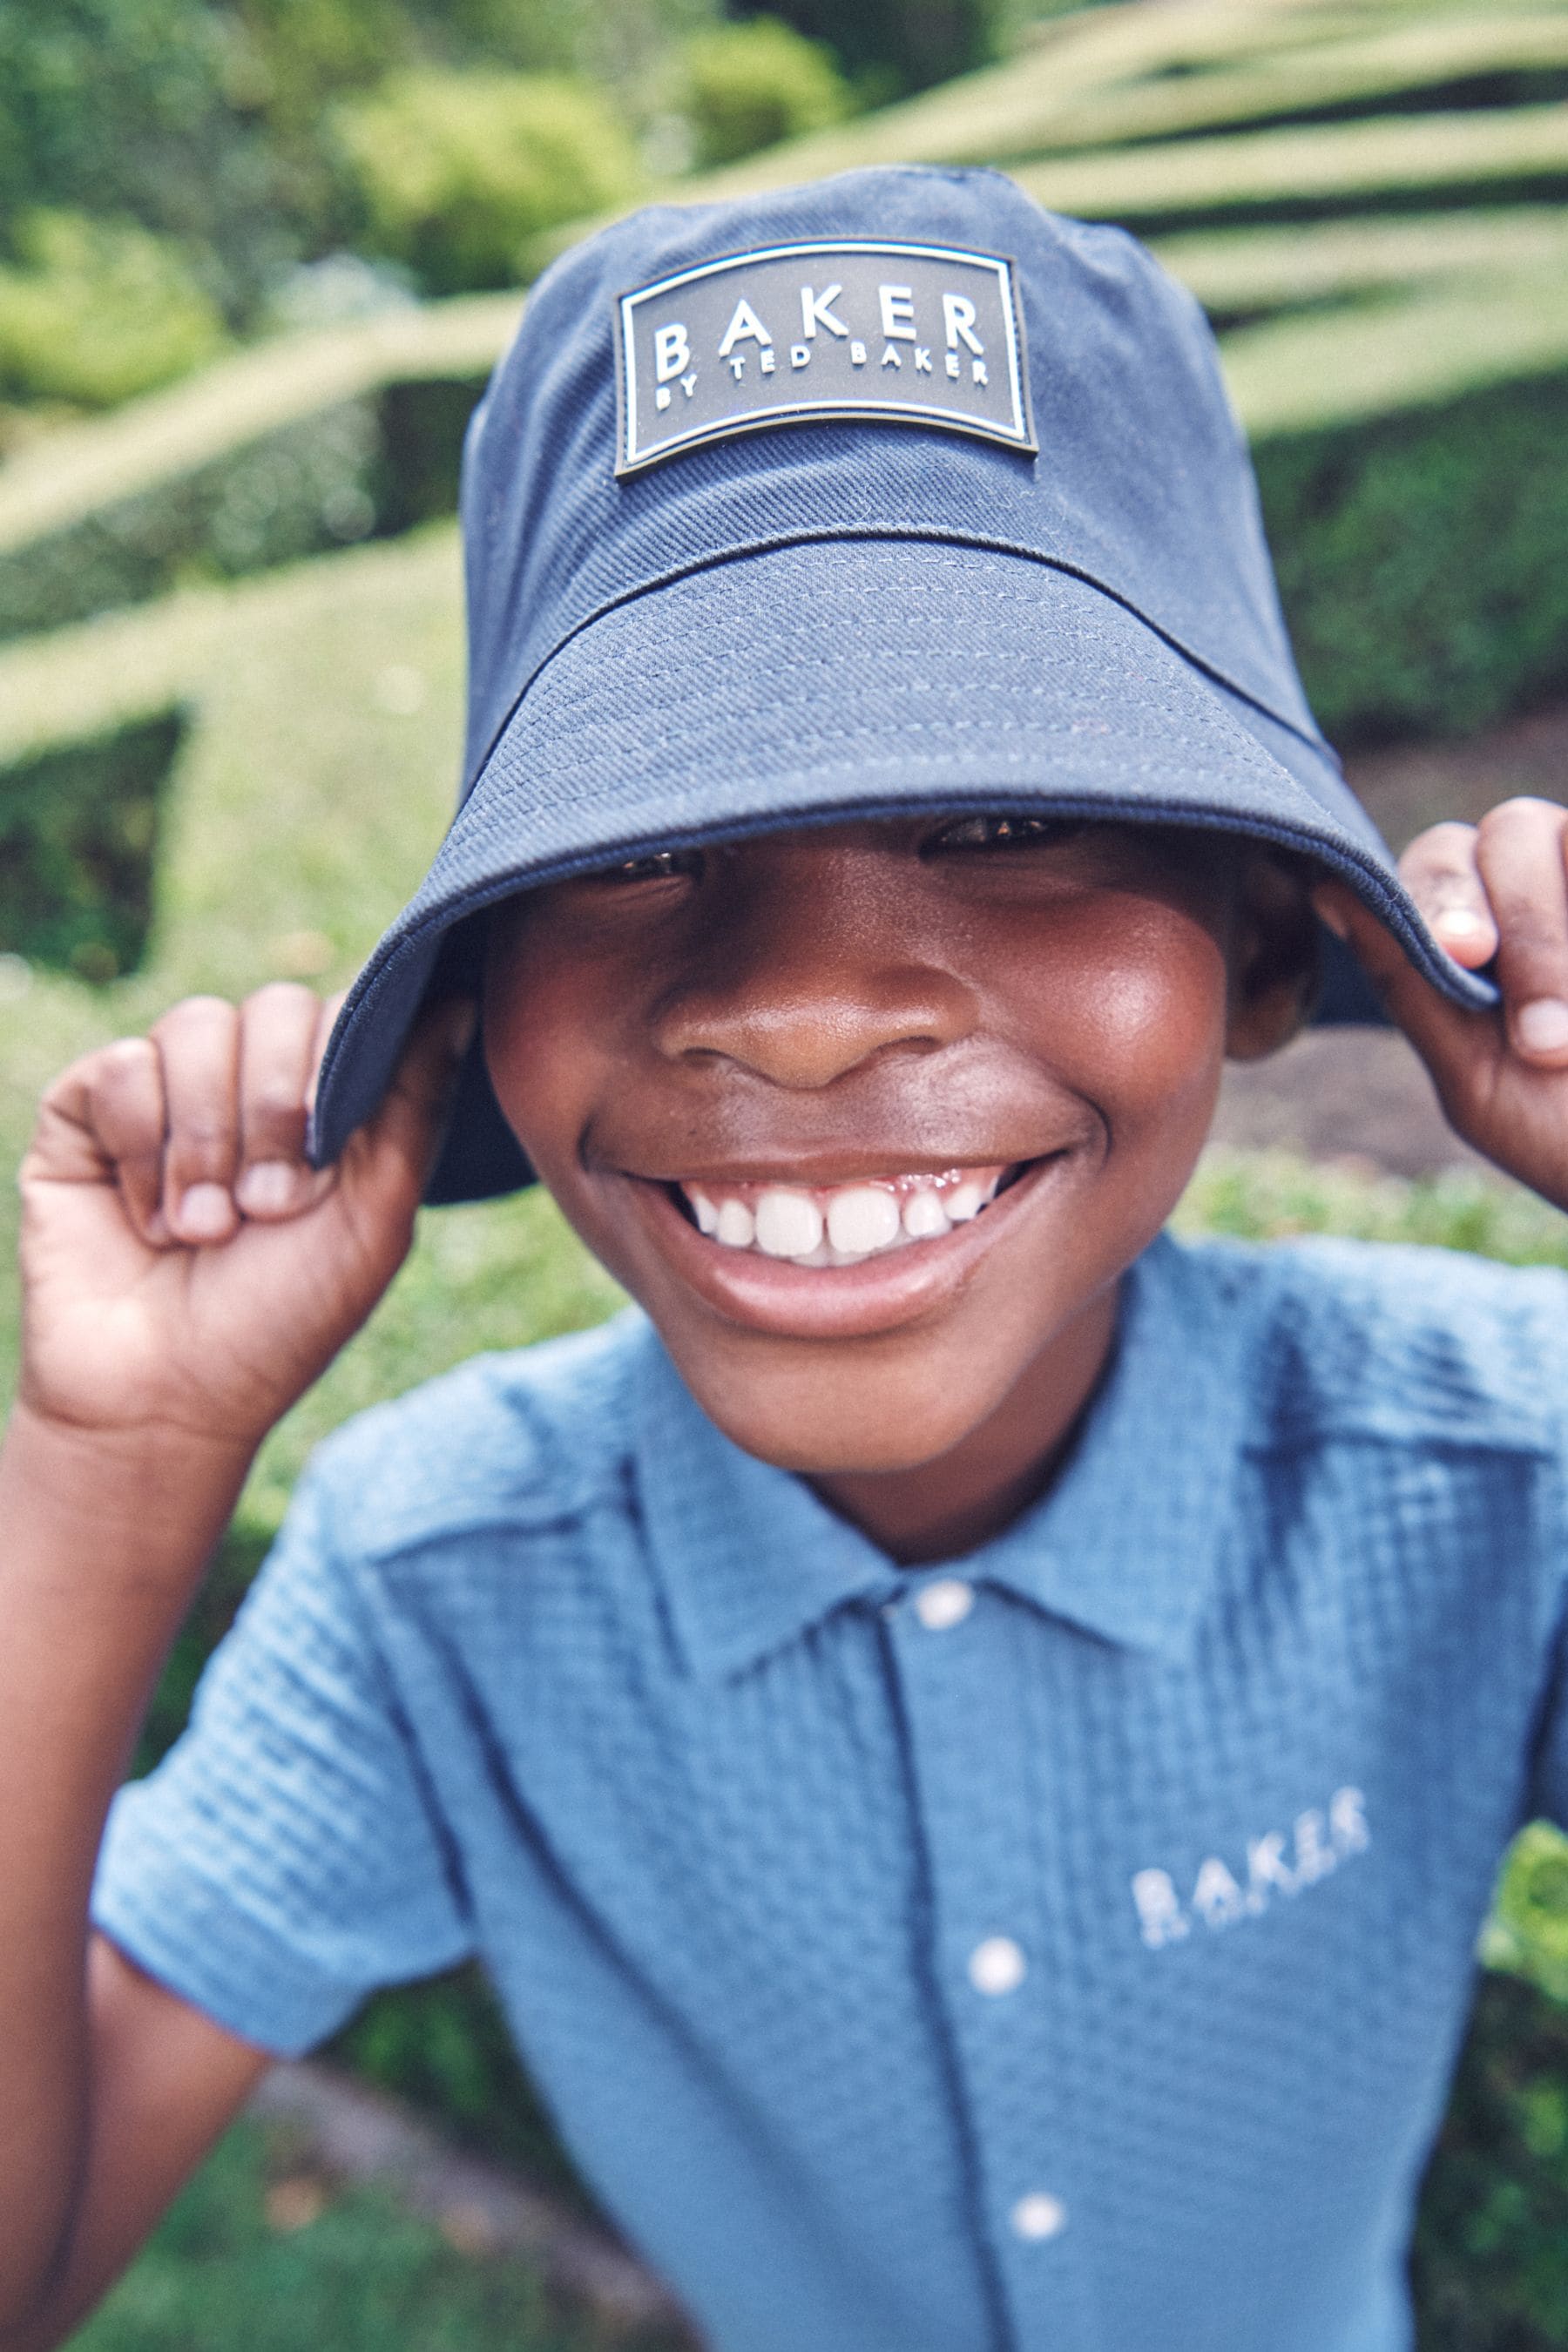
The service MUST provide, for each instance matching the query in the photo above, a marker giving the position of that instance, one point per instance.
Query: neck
(942, 1509)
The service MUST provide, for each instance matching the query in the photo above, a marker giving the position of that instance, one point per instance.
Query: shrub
(748, 86)
(97, 310)
(1420, 563)
(294, 493)
(457, 171)
(1490, 2269)
(122, 107)
(78, 828)
(889, 46)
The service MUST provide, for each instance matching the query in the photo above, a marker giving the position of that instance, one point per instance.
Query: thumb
(404, 1134)
(1445, 1035)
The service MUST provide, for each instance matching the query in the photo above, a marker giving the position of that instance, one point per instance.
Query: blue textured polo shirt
(1062, 1950)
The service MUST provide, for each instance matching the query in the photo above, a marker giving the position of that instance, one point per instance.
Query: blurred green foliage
(79, 832)
(1490, 2266)
(1419, 559)
(94, 310)
(259, 2255)
(311, 486)
(445, 2046)
(745, 87)
(124, 108)
(457, 171)
(892, 45)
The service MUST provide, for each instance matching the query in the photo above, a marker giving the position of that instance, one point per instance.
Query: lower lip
(848, 1302)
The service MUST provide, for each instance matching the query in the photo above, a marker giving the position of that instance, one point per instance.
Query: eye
(657, 865)
(998, 829)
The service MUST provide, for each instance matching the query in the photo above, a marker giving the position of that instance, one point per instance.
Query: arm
(185, 1277)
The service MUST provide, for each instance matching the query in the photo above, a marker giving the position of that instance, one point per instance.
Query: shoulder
(1376, 1339)
(523, 1440)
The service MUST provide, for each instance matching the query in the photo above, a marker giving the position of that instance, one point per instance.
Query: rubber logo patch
(911, 334)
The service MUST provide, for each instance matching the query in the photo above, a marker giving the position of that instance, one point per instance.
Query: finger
(326, 1022)
(1520, 854)
(129, 1118)
(198, 1045)
(1441, 871)
(1443, 1034)
(102, 1122)
(276, 1060)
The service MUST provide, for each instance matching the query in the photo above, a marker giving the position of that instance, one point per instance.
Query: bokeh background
(256, 259)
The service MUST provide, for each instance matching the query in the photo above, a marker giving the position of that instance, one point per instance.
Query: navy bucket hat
(889, 493)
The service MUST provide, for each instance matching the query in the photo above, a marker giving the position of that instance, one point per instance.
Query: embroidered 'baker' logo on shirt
(908, 334)
(1277, 1865)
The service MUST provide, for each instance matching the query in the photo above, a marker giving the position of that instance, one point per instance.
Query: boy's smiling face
(804, 1033)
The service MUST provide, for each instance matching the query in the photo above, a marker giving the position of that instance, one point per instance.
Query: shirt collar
(1125, 1545)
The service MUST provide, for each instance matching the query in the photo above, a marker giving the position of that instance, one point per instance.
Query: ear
(1274, 955)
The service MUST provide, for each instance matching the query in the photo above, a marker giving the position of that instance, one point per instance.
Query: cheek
(1130, 1006)
(540, 1031)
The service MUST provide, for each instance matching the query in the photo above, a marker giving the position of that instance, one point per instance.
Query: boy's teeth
(862, 1219)
(735, 1225)
(925, 1217)
(840, 1224)
(789, 1224)
(702, 1209)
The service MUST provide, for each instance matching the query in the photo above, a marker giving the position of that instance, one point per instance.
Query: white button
(946, 1603)
(997, 1965)
(1038, 2215)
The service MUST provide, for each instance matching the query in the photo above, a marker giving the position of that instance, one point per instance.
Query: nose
(814, 964)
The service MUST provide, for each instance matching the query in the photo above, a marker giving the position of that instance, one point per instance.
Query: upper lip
(824, 1172)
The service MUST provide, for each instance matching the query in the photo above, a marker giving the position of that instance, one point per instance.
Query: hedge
(1420, 561)
(79, 843)
(87, 468)
(290, 494)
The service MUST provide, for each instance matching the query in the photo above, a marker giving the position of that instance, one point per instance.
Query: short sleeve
(285, 1860)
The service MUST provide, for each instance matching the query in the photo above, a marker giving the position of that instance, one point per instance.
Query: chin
(854, 1420)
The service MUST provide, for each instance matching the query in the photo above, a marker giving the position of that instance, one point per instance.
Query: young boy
(973, 1740)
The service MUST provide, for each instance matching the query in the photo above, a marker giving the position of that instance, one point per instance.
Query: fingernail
(1543, 1027)
(206, 1213)
(1459, 923)
(268, 1188)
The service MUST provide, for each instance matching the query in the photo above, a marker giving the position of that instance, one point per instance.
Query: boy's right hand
(187, 1274)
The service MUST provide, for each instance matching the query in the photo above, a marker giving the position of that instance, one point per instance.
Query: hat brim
(853, 678)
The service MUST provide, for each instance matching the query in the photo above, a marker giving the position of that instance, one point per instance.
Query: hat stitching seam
(929, 538)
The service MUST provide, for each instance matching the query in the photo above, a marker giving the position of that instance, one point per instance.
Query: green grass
(259, 2255)
(1238, 271)
(1398, 64)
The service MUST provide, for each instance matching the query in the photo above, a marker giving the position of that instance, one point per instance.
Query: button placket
(959, 1655)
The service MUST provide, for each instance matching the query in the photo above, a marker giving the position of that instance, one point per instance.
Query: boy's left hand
(1499, 889)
